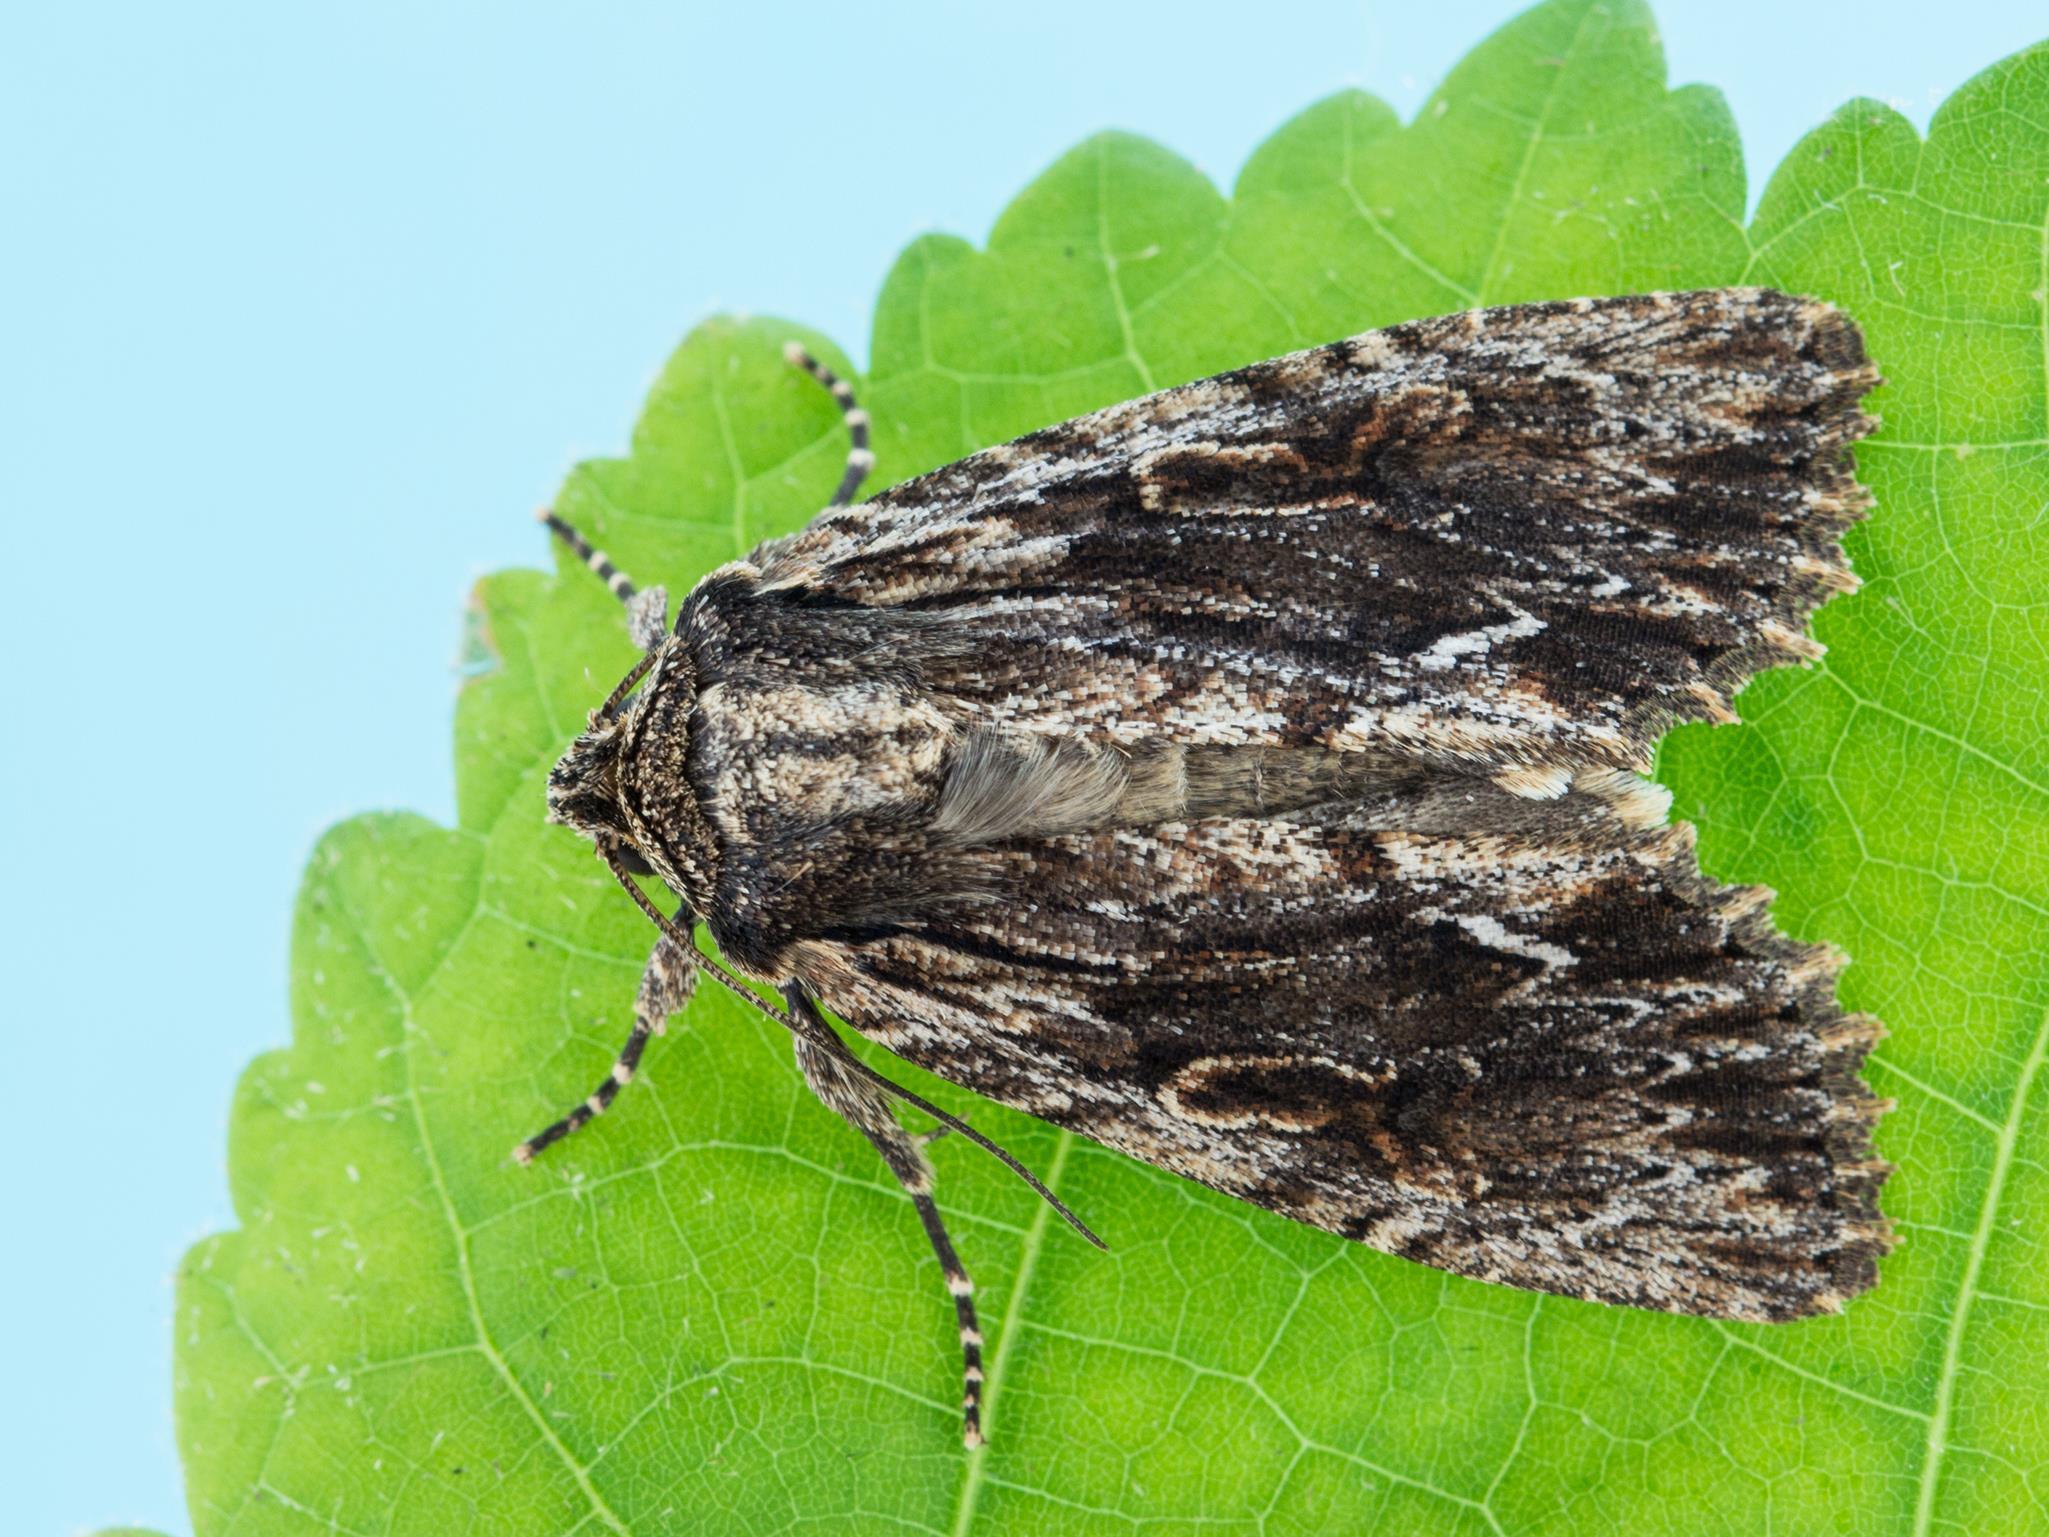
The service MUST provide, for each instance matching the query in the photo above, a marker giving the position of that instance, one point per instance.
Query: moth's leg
(647, 610)
(865, 1107)
(859, 460)
(665, 987)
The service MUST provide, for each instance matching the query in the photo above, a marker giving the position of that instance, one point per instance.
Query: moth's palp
(860, 459)
(625, 686)
(854, 1064)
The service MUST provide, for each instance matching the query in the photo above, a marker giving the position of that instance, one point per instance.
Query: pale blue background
(303, 309)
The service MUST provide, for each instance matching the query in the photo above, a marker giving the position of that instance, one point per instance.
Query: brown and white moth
(1247, 778)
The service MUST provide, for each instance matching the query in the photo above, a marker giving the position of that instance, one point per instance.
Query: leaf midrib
(1936, 1444)
(999, 1347)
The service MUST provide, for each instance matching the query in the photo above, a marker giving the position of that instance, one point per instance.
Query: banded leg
(665, 987)
(647, 610)
(868, 1111)
(859, 460)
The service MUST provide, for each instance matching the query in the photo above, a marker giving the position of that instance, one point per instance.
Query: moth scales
(1249, 778)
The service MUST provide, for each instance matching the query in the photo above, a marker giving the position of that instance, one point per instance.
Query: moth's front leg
(869, 1111)
(665, 987)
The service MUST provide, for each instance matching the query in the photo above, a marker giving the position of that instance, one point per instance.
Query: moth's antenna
(647, 612)
(625, 686)
(953, 1123)
(831, 1042)
(859, 459)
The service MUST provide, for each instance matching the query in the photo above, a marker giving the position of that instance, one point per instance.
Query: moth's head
(583, 788)
(621, 779)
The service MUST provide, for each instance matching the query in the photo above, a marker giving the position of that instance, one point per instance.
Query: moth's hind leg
(870, 1113)
(859, 460)
(665, 987)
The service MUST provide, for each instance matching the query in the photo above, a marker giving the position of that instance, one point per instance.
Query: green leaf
(712, 1311)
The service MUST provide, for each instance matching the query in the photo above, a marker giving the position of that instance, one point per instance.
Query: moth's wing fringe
(1833, 498)
(1865, 1234)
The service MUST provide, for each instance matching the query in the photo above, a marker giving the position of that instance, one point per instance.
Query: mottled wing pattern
(1524, 537)
(1519, 1040)
(1242, 778)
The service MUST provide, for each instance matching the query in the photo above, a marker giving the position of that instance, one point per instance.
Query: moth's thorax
(655, 795)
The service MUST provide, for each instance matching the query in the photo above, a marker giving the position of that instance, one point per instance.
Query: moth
(1249, 778)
